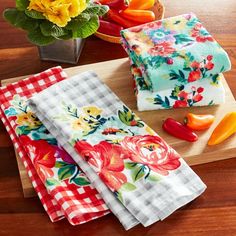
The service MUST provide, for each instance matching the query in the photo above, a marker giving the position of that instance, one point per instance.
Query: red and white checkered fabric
(77, 204)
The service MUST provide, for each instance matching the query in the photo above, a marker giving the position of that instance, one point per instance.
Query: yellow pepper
(224, 129)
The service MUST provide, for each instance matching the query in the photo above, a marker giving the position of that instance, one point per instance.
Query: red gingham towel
(78, 204)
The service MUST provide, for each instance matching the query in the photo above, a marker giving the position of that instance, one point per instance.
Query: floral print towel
(62, 177)
(144, 173)
(175, 50)
(198, 93)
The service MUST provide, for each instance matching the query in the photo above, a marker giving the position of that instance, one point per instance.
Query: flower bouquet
(49, 20)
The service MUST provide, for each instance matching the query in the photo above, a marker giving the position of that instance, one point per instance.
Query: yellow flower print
(92, 111)
(28, 119)
(175, 24)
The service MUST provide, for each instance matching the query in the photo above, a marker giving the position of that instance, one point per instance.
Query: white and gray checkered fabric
(151, 201)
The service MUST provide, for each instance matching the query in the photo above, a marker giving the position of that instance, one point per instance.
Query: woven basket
(158, 9)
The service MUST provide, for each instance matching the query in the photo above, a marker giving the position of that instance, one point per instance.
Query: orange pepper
(116, 17)
(198, 122)
(141, 16)
(141, 4)
(224, 129)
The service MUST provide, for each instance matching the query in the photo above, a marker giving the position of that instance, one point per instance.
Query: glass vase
(66, 51)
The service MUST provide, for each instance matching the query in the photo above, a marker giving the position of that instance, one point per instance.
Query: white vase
(67, 51)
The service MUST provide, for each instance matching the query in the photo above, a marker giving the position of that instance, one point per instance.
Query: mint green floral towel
(176, 49)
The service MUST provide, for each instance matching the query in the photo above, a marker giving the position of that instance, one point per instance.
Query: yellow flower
(175, 23)
(58, 15)
(76, 7)
(92, 111)
(58, 12)
(28, 119)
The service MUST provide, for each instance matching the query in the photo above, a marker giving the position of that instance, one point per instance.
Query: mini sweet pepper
(198, 122)
(224, 129)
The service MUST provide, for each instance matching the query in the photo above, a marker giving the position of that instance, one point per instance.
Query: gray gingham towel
(117, 150)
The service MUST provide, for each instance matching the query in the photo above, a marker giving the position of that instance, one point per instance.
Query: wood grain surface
(214, 213)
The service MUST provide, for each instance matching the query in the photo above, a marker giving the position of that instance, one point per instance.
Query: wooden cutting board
(116, 75)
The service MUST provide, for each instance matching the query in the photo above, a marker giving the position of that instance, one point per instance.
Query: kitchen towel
(176, 49)
(147, 176)
(198, 93)
(56, 170)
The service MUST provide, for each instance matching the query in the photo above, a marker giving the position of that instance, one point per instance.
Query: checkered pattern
(50, 205)
(66, 89)
(151, 201)
(78, 204)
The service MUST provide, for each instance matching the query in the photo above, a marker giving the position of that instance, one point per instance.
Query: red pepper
(141, 16)
(178, 130)
(141, 4)
(109, 28)
(115, 4)
(114, 16)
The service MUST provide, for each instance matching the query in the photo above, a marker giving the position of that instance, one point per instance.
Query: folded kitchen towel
(198, 93)
(176, 49)
(57, 173)
(147, 176)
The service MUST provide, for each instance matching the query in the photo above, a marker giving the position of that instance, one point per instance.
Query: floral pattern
(52, 163)
(177, 48)
(122, 149)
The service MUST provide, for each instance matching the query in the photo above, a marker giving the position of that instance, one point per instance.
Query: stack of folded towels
(175, 62)
(87, 154)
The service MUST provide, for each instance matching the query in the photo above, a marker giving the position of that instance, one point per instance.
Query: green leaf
(21, 5)
(20, 19)
(60, 164)
(127, 187)
(130, 165)
(137, 173)
(95, 9)
(87, 29)
(154, 177)
(66, 172)
(81, 181)
(34, 14)
(39, 39)
(78, 21)
(52, 182)
(50, 29)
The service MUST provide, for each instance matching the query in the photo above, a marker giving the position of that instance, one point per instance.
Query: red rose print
(209, 57)
(161, 49)
(200, 90)
(200, 36)
(151, 151)
(180, 103)
(197, 98)
(194, 75)
(195, 65)
(209, 65)
(42, 154)
(183, 94)
(107, 160)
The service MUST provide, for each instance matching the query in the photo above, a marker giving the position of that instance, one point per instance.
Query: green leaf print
(159, 101)
(127, 187)
(154, 177)
(66, 172)
(130, 165)
(182, 38)
(52, 182)
(137, 173)
(80, 181)
(60, 164)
